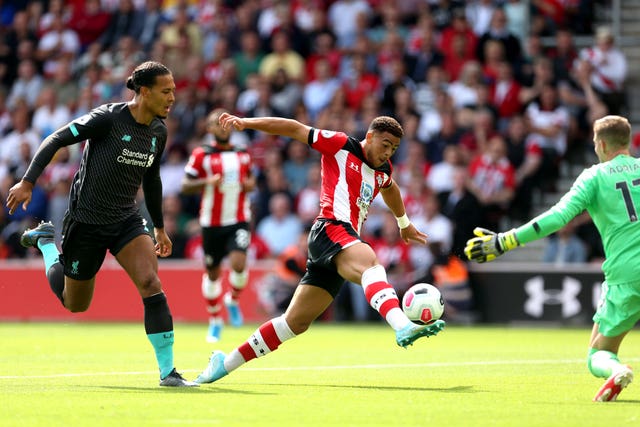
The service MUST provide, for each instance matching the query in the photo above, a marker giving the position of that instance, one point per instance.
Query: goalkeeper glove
(488, 245)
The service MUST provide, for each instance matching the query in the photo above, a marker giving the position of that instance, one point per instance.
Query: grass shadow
(187, 390)
(456, 389)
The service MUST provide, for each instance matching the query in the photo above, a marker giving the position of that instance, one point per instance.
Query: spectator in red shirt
(505, 94)
(458, 27)
(493, 181)
(324, 48)
(89, 21)
(359, 83)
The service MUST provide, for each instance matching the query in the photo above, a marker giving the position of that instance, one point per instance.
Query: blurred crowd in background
(491, 113)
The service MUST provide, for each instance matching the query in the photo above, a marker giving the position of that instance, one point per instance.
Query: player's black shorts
(217, 242)
(326, 239)
(84, 246)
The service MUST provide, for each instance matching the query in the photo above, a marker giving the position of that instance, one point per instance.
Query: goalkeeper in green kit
(610, 192)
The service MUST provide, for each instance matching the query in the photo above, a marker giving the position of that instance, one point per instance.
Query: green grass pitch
(86, 374)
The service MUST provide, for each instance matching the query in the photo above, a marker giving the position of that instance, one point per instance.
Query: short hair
(145, 75)
(387, 124)
(214, 115)
(614, 130)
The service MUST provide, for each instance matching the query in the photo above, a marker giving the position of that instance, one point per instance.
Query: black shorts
(84, 246)
(326, 239)
(217, 242)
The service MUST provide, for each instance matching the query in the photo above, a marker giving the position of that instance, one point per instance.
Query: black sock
(55, 276)
(157, 317)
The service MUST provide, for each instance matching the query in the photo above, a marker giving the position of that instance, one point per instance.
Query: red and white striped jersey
(349, 184)
(226, 203)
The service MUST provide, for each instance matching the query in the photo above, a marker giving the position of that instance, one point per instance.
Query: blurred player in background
(353, 173)
(222, 173)
(610, 192)
(124, 146)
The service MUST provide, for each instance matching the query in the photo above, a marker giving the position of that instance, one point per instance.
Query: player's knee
(149, 285)
(213, 272)
(76, 307)
(298, 326)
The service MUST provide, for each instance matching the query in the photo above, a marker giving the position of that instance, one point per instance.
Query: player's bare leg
(238, 278)
(138, 258)
(307, 304)
(75, 295)
(212, 293)
(358, 264)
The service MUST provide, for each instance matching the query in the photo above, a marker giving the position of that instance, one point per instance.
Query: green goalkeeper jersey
(610, 192)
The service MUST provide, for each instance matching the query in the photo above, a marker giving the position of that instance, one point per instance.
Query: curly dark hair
(386, 124)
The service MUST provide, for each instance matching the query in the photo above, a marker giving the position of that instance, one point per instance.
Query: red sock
(266, 339)
(382, 297)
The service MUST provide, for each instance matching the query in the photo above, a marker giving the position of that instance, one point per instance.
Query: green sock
(163, 346)
(601, 363)
(49, 252)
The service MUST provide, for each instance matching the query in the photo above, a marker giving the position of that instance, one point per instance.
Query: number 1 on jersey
(626, 196)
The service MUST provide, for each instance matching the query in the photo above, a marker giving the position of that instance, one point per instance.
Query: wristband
(403, 221)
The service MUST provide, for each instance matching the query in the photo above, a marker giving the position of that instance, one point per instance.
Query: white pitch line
(337, 367)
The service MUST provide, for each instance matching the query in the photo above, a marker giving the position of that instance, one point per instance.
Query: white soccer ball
(423, 303)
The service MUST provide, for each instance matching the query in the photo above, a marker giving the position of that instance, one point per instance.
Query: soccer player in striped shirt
(222, 174)
(353, 173)
(124, 145)
(610, 192)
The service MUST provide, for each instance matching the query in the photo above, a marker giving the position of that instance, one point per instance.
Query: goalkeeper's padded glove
(488, 245)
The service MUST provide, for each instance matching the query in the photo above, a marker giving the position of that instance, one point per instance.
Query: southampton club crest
(366, 195)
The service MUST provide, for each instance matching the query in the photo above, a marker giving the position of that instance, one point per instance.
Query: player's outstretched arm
(274, 125)
(488, 245)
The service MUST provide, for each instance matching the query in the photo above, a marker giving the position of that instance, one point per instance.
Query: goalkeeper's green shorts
(618, 308)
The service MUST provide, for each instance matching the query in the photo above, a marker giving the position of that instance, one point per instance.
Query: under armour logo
(354, 166)
(539, 297)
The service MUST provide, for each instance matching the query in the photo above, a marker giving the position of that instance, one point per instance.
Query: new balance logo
(153, 145)
(126, 138)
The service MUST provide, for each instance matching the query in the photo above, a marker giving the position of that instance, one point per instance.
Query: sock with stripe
(382, 297)
(212, 293)
(238, 282)
(52, 266)
(264, 340)
(158, 324)
(602, 363)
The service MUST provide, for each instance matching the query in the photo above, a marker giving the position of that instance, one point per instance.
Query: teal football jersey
(610, 192)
